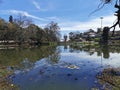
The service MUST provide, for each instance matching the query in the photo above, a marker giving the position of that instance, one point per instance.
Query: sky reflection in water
(73, 71)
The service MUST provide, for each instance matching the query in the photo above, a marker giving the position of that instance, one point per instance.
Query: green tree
(71, 36)
(11, 19)
(22, 30)
(99, 30)
(105, 34)
(3, 24)
(65, 38)
(21, 23)
(41, 35)
(31, 31)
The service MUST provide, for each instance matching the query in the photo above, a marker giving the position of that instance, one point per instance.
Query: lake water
(59, 67)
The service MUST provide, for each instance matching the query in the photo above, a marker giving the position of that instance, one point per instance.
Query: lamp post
(101, 30)
(101, 21)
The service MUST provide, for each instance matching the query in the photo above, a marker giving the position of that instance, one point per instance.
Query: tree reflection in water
(99, 49)
(54, 57)
(105, 51)
(22, 60)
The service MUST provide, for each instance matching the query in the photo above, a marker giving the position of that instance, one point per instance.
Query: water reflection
(18, 56)
(54, 57)
(57, 68)
(17, 60)
(65, 46)
(12, 57)
(103, 49)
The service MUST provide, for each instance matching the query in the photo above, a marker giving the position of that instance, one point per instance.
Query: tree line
(21, 30)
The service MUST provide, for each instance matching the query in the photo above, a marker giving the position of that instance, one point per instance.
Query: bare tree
(22, 21)
(117, 13)
(101, 5)
(52, 30)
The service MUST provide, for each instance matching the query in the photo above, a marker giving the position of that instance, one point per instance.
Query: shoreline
(109, 77)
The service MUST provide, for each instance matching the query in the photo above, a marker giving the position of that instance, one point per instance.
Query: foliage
(11, 19)
(97, 39)
(52, 31)
(21, 30)
(105, 34)
(65, 38)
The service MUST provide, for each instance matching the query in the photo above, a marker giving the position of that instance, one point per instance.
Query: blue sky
(71, 15)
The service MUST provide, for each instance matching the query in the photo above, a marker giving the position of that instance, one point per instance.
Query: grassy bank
(84, 43)
(110, 78)
(5, 83)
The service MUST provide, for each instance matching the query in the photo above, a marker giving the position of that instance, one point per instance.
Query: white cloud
(24, 13)
(36, 4)
(64, 24)
(91, 24)
(68, 26)
(53, 18)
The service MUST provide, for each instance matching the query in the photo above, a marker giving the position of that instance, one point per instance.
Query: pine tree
(11, 19)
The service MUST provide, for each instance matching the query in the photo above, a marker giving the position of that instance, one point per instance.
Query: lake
(62, 67)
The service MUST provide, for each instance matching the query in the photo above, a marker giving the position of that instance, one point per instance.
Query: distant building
(90, 33)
